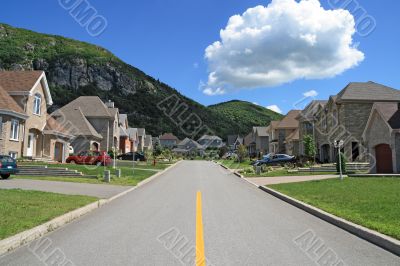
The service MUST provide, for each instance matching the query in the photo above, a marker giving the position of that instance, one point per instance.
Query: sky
(279, 55)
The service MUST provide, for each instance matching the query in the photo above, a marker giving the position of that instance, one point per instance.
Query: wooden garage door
(384, 164)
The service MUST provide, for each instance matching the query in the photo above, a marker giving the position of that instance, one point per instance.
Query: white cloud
(256, 103)
(274, 108)
(311, 93)
(212, 92)
(285, 41)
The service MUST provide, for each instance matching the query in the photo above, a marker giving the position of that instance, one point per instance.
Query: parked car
(90, 158)
(129, 157)
(275, 159)
(8, 166)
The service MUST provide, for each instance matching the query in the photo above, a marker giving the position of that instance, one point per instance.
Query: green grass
(284, 172)
(370, 202)
(231, 164)
(21, 210)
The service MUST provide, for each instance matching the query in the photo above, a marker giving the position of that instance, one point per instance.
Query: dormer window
(37, 102)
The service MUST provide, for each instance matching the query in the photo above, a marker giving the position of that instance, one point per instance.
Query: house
(168, 140)
(261, 138)
(148, 143)
(345, 117)
(94, 124)
(307, 120)
(189, 147)
(142, 137)
(284, 134)
(211, 141)
(234, 141)
(382, 138)
(125, 141)
(26, 129)
(134, 138)
(250, 143)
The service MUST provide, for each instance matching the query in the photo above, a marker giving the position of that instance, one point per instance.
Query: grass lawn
(284, 172)
(370, 202)
(128, 176)
(21, 210)
(231, 164)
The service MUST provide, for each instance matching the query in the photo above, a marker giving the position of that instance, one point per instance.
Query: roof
(290, 121)
(123, 119)
(168, 136)
(368, 91)
(249, 139)
(113, 111)
(80, 125)
(148, 141)
(261, 131)
(141, 132)
(390, 113)
(53, 127)
(132, 133)
(91, 106)
(187, 141)
(208, 137)
(9, 105)
(311, 109)
(123, 132)
(274, 124)
(294, 136)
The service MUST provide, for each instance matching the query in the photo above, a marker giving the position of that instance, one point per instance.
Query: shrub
(343, 162)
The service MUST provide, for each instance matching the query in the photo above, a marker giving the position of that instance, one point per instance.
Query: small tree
(157, 150)
(241, 153)
(309, 146)
(222, 151)
(343, 160)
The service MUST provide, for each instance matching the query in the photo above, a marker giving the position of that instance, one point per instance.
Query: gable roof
(311, 109)
(133, 133)
(123, 120)
(368, 91)
(187, 141)
(23, 82)
(9, 106)
(53, 127)
(141, 132)
(168, 136)
(249, 139)
(90, 106)
(261, 131)
(289, 121)
(113, 112)
(294, 136)
(208, 137)
(81, 126)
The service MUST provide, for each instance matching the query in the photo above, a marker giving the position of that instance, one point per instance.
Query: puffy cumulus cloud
(274, 108)
(212, 92)
(311, 93)
(285, 41)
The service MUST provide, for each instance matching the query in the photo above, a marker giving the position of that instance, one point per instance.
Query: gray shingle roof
(91, 106)
(368, 91)
(261, 131)
(141, 132)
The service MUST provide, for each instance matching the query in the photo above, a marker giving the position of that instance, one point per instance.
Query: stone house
(284, 134)
(345, 117)
(189, 147)
(142, 138)
(257, 141)
(31, 135)
(211, 141)
(168, 140)
(94, 124)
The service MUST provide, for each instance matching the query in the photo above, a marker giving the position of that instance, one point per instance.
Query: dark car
(276, 159)
(8, 166)
(90, 158)
(129, 157)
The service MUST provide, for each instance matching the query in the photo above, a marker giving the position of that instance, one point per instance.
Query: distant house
(142, 137)
(168, 140)
(189, 147)
(250, 143)
(234, 141)
(211, 141)
(25, 128)
(134, 138)
(94, 124)
(125, 139)
(261, 138)
(148, 143)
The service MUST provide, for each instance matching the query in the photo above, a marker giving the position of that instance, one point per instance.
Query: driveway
(165, 221)
(95, 190)
(262, 181)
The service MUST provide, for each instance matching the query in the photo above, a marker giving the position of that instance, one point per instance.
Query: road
(200, 205)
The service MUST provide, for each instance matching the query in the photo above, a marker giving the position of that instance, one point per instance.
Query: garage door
(384, 164)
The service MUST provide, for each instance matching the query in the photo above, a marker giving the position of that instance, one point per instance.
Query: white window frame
(13, 154)
(14, 130)
(37, 103)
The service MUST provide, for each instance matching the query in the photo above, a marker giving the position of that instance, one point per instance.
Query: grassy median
(21, 210)
(370, 202)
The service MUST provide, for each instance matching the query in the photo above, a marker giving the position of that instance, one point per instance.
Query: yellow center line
(200, 257)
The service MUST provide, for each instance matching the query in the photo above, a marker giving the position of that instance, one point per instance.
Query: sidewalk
(262, 181)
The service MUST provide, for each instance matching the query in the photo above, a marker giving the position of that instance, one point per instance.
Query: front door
(29, 148)
(384, 163)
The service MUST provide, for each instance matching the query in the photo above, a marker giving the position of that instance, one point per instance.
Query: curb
(386, 242)
(23, 238)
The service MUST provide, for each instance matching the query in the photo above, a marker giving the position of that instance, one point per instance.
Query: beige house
(142, 139)
(257, 141)
(33, 137)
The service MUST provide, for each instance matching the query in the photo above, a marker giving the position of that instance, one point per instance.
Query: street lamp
(338, 144)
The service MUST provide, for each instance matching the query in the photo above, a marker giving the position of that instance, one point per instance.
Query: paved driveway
(261, 181)
(157, 224)
(95, 190)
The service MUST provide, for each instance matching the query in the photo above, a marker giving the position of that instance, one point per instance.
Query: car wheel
(72, 162)
(99, 163)
(5, 176)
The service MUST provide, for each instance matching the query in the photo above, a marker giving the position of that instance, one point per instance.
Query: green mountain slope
(75, 68)
(245, 115)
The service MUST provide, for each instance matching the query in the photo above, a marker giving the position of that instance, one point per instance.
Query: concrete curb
(20, 239)
(388, 243)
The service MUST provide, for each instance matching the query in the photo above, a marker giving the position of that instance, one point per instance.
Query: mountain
(75, 68)
(245, 115)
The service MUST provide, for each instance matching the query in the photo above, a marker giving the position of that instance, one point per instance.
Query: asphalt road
(156, 225)
(69, 188)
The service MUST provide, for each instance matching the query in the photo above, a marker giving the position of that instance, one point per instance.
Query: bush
(343, 162)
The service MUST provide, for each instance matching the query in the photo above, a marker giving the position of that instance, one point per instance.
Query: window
(37, 104)
(13, 154)
(14, 133)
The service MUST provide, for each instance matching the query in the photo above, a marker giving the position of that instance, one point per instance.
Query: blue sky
(167, 40)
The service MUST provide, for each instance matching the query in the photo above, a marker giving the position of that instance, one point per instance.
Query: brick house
(345, 117)
(168, 140)
(33, 135)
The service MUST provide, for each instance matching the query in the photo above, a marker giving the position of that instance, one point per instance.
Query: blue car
(275, 159)
(8, 166)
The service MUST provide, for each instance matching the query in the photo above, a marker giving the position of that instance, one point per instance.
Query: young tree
(157, 150)
(343, 160)
(241, 153)
(309, 146)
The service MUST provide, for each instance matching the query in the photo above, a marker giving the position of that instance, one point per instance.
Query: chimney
(110, 104)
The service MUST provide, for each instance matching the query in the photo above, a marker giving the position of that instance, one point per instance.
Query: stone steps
(32, 170)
